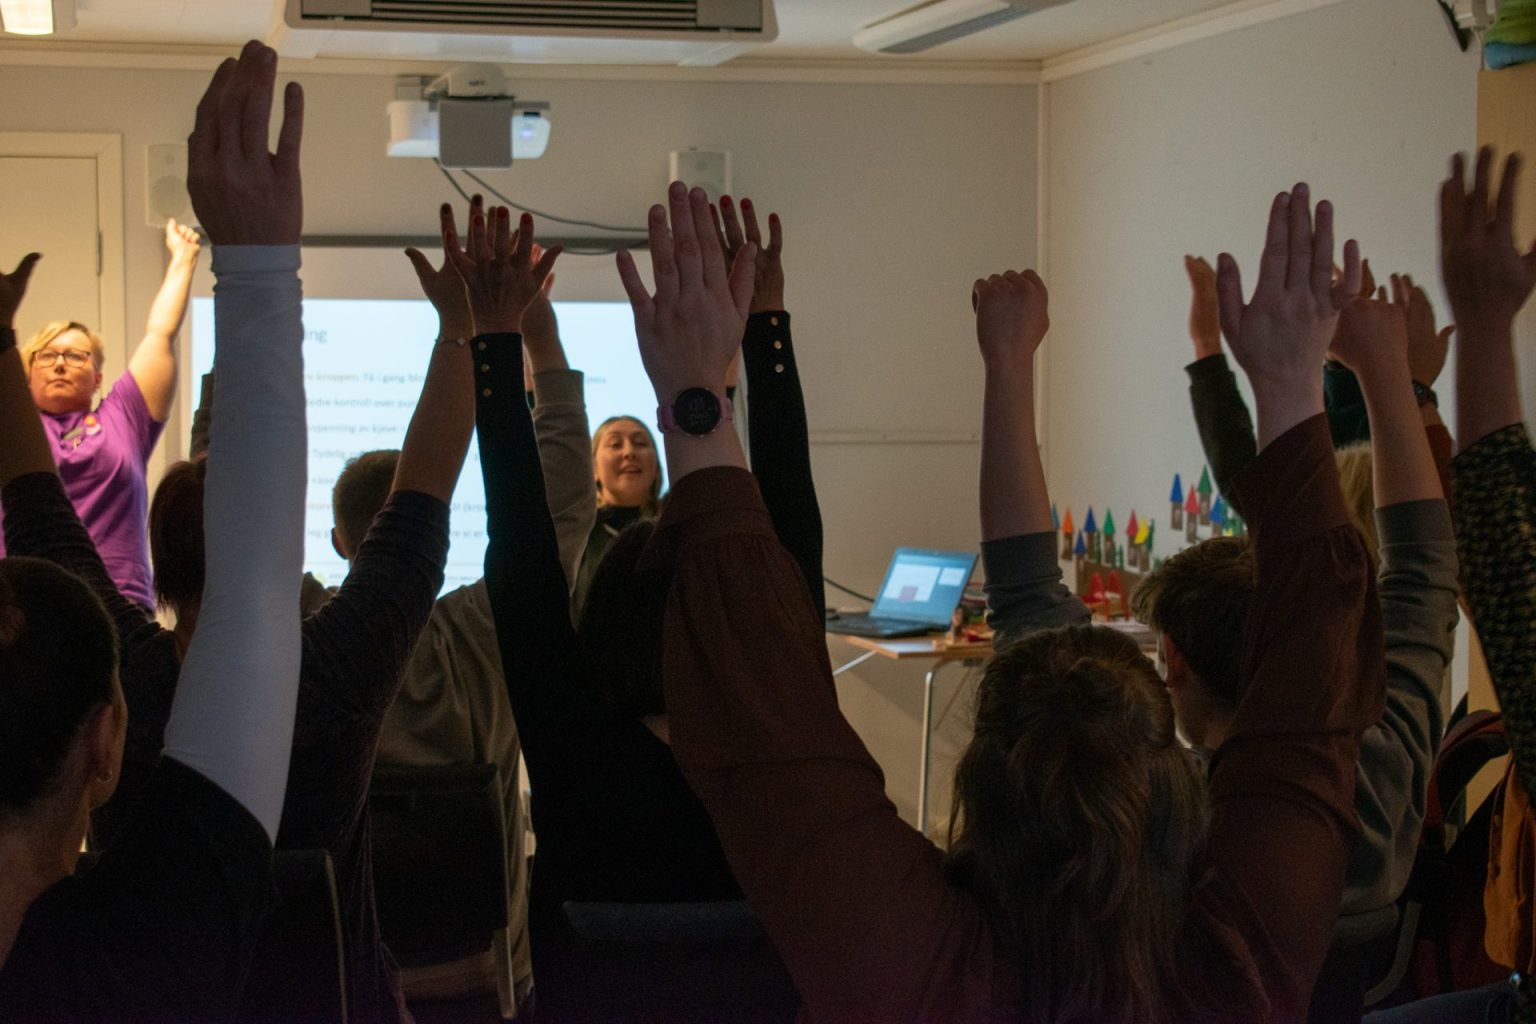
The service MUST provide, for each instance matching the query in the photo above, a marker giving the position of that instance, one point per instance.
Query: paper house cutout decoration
(1176, 498)
(1067, 533)
(1205, 491)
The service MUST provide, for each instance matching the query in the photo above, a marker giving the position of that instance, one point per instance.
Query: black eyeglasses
(71, 356)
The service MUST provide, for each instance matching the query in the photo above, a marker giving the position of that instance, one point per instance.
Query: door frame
(106, 148)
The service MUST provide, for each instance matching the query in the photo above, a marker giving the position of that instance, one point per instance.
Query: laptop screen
(924, 586)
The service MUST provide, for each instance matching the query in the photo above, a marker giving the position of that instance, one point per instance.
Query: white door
(48, 205)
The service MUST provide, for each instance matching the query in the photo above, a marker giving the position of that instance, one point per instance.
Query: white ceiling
(809, 29)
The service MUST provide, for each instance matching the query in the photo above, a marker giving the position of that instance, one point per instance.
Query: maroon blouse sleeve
(1283, 782)
(853, 897)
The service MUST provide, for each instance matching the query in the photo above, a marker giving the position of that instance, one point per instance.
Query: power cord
(573, 250)
(829, 581)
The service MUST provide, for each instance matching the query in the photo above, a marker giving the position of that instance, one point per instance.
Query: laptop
(921, 591)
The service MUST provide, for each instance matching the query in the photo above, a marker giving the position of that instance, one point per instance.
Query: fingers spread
(754, 232)
(734, 239)
(775, 235)
(1504, 217)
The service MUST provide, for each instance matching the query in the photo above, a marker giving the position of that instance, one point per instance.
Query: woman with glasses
(102, 449)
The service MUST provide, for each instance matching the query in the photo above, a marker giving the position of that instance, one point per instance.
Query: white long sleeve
(232, 719)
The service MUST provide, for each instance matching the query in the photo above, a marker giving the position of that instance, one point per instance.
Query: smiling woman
(627, 472)
(102, 449)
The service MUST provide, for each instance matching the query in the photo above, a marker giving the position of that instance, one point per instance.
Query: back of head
(360, 493)
(176, 536)
(1201, 597)
(58, 658)
(621, 626)
(1079, 820)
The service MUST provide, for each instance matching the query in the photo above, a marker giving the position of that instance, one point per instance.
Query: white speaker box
(710, 171)
(165, 185)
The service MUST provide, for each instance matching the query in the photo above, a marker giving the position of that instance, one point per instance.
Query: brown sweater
(857, 901)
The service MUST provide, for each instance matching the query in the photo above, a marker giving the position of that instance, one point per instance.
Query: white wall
(895, 198)
(1182, 152)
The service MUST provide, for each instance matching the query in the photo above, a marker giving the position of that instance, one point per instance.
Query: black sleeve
(779, 437)
(1225, 425)
(202, 420)
(357, 643)
(41, 522)
(524, 580)
(162, 928)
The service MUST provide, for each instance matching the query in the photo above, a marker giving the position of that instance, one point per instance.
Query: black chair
(439, 860)
(299, 974)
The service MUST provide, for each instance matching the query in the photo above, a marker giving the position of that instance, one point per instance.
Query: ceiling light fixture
(36, 17)
(941, 21)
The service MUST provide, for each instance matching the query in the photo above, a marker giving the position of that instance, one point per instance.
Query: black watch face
(697, 411)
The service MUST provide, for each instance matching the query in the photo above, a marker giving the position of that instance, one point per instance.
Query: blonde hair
(652, 507)
(48, 335)
(1355, 468)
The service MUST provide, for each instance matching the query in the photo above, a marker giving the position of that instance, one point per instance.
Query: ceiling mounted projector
(942, 21)
(466, 118)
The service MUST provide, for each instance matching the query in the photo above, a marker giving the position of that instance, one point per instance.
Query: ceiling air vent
(942, 21)
(533, 31)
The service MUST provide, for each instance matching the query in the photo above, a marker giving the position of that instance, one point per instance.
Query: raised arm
(1018, 541)
(1488, 280)
(524, 579)
(153, 363)
(232, 720)
(1419, 591)
(560, 424)
(777, 431)
(1283, 782)
(26, 447)
(846, 889)
(1221, 415)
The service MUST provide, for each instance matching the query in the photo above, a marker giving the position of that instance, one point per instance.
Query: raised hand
(13, 287)
(1487, 277)
(182, 241)
(768, 268)
(1011, 319)
(540, 326)
(443, 286)
(1281, 337)
(1372, 341)
(691, 328)
(1427, 347)
(244, 195)
(498, 268)
(1204, 309)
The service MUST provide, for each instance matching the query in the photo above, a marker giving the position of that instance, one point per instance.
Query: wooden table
(932, 649)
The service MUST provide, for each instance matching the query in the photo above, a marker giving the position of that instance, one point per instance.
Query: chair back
(439, 860)
(299, 972)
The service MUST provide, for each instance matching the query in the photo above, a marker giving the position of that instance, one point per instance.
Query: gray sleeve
(232, 719)
(1419, 588)
(1024, 589)
(565, 453)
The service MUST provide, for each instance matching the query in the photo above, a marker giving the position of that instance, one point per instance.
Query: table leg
(855, 663)
(927, 756)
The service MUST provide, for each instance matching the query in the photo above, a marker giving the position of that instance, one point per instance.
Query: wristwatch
(1426, 395)
(696, 412)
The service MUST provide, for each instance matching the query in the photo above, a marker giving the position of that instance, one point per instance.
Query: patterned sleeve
(1495, 517)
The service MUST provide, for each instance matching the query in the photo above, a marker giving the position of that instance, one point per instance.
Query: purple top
(102, 457)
